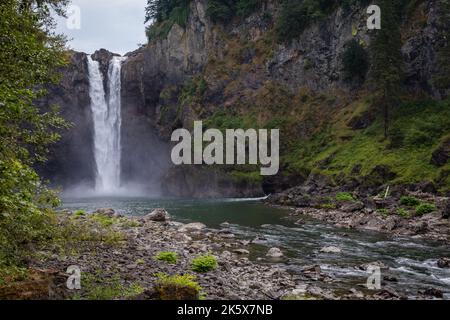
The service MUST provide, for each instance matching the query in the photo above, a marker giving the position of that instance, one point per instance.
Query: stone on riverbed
(105, 211)
(443, 263)
(241, 251)
(331, 249)
(274, 253)
(159, 215)
(192, 227)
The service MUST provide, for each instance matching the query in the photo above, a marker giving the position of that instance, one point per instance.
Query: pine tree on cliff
(387, 60)
(442, 78)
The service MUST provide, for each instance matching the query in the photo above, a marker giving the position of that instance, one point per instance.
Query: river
(412, 263)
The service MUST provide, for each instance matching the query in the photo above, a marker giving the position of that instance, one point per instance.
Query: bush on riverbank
(203, 264)
(167, 256)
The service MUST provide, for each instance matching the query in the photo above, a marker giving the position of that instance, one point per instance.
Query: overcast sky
(116, 25)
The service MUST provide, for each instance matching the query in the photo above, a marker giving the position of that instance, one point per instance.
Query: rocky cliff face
(239, 64)
(71, 161)
(237, 68)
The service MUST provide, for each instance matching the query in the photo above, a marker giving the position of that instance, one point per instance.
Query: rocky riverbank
(117, 259)
(131, 262)
(401, 210)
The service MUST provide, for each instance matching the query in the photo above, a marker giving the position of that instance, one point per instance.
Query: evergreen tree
(387, 59)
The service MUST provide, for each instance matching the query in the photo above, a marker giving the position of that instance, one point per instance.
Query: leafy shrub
(403, 213)
(79, 213)
(355, 62)
(384, 212)
(296, 16)
(99, 288)
(247, 7)
(164, 14)
(409, 201)
(220, 11)
(425, 208)
(167, 256)
(177, 287)
(344, 197)
(203, 264)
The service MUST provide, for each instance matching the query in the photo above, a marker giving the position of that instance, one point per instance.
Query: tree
(29, 59)
(442, 78)
(355, 62)
(387, 59)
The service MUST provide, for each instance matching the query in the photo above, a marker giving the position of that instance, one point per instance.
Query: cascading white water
(107, 124)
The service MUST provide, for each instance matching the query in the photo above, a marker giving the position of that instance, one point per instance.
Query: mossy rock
(172, 291)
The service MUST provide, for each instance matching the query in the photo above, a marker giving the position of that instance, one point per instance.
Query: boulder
(159, 215)
(444, 263)
(241, 251)
(441, 155)
(105, 211)
(331, 249)
(192, 227)
(352, 206)
(274, 253)
(446, 210)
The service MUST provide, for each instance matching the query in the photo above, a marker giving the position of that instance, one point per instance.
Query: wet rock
(312, 269)
(182, 237)
(433, 292)
(159, 215)
(192, 227)
(441, 155)
(446, 210)
(444, 263)
(275, 253)
(331, 249)
(352, 206)
(105, 211)
(241, 251)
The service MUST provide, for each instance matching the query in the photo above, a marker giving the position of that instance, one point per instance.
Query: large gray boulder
(159, 215)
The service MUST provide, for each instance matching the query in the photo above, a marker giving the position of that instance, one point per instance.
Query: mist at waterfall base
(106, 112)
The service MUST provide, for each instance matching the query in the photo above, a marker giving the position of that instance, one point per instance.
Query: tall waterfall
(107, 124)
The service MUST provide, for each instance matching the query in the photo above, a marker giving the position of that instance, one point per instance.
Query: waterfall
(107, 124)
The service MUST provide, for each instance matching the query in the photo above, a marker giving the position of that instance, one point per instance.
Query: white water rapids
(106, 113)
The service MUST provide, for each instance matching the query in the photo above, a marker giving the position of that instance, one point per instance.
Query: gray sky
(116, 25)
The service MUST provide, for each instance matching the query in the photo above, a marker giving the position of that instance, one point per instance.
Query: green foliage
(355, 62)
(178, 287)
(387, 60)
(442, 78)
(98, 287)
(167, 256)
(30, 56)
(79, 213)
(205, 263)
(296, 16)
(164, 14)
(403, 213)
(222, 11)
(425, 208)
(409, 201)
(344, 197)
(384, 212)
(193, 91)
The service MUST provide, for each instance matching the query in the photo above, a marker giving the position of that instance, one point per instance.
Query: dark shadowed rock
(160, 215)
(441, 155)
(105, 211)
(443, 263)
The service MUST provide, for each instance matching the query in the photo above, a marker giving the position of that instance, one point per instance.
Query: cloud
(116, 25)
